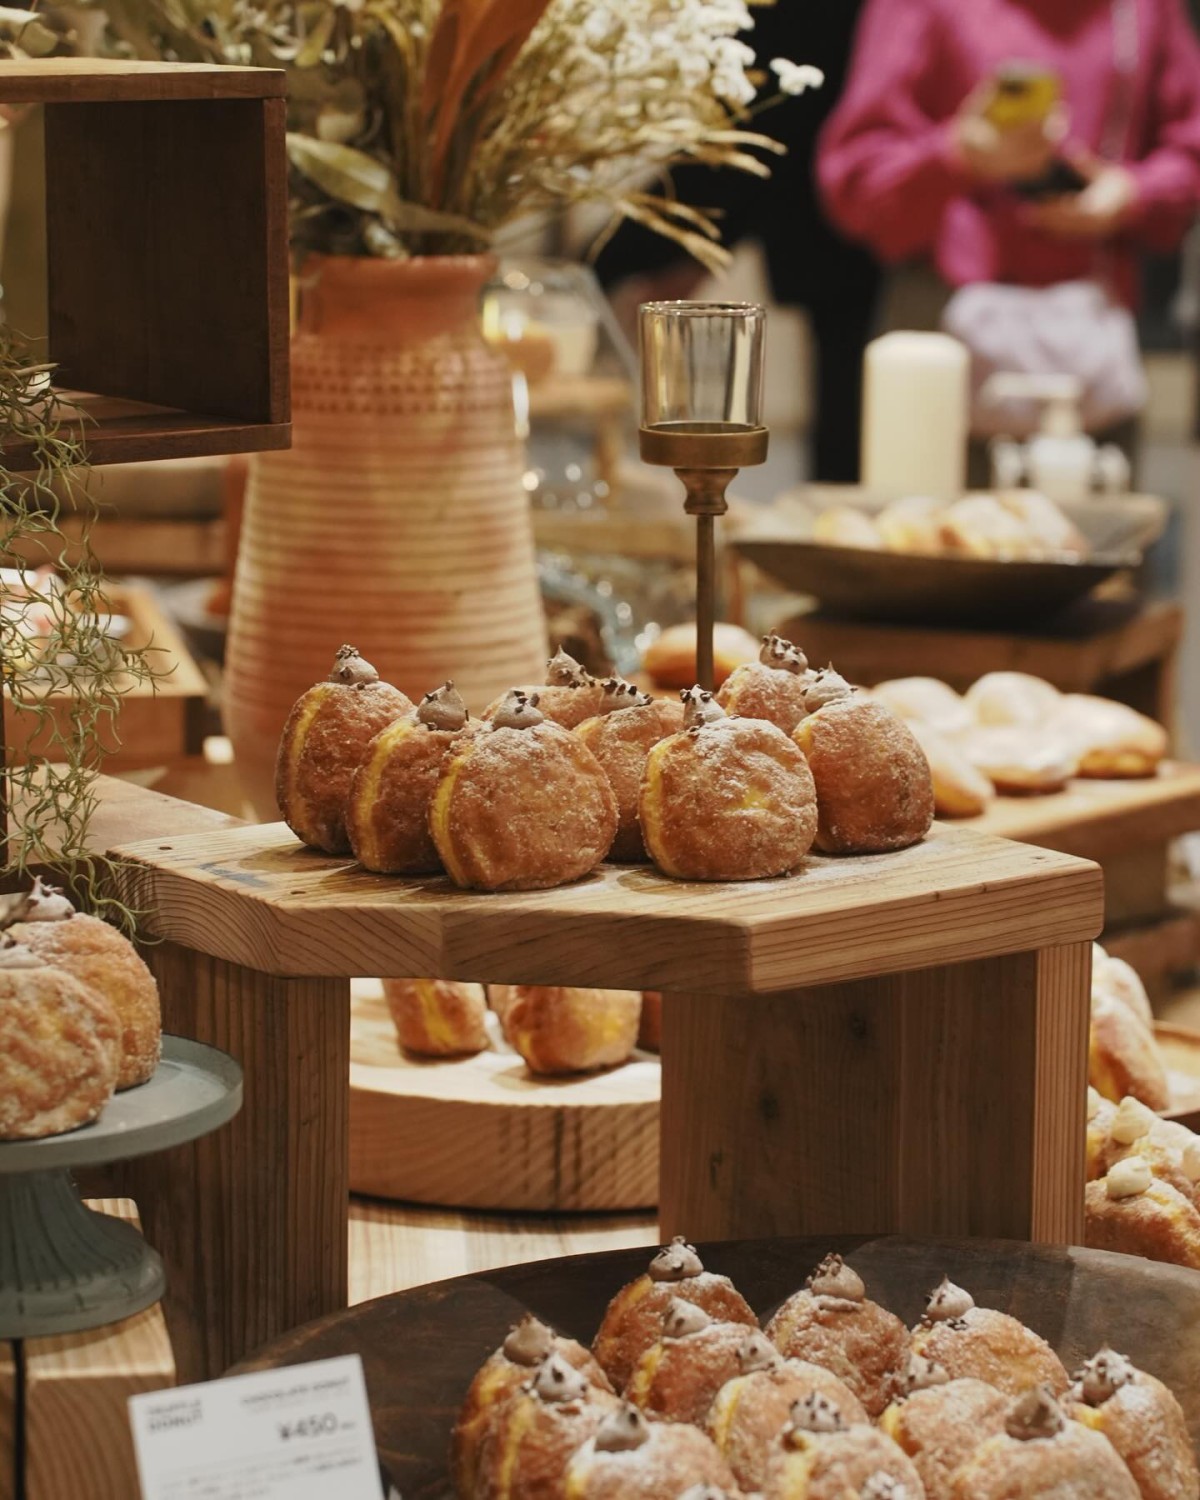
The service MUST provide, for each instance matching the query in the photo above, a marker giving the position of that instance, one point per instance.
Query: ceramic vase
(398, 521)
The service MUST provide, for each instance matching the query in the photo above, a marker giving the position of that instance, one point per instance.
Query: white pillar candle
(916, 415)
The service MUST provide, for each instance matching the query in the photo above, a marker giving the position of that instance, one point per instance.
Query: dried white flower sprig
(424, 126)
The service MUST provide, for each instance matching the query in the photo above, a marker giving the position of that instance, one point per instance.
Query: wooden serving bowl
(420, 1348)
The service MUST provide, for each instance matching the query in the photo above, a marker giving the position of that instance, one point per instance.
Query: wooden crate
(156, 723)
(166, 223)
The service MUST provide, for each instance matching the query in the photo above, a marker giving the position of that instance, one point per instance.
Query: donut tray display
(421, 1349)
(483, 1132)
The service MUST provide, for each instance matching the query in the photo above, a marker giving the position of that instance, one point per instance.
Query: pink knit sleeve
(886, 164)
(1168, 175)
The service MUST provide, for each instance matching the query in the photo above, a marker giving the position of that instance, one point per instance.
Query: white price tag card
(299, 1433)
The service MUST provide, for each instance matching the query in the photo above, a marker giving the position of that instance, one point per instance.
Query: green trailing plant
(51, 792)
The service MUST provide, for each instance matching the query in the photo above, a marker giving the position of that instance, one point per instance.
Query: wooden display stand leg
(945, 1101)
(252, 1221)
(8, 1422)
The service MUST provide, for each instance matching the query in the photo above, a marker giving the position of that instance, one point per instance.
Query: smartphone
(1024, 94)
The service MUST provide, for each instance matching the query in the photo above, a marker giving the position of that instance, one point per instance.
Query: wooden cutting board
(1180, 1048)
(483, 1132)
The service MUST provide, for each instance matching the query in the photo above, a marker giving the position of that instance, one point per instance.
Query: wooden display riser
(839, 1003)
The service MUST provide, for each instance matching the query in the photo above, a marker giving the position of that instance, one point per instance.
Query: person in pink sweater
(910, 164)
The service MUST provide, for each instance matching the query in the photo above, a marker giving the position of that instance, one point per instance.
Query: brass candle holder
(702, 375)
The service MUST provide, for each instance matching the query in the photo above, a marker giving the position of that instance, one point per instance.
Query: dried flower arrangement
(425, 126)
(54, 637)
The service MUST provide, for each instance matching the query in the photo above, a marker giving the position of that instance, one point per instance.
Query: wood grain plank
(482, 1132)
(396, 1246)
(77, 1385)
(943, 1101)
(254, 896)
(251, 1221)
(86, 79)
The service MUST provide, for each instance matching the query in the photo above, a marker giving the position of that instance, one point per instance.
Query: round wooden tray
(482, 1132)
(421, 1348)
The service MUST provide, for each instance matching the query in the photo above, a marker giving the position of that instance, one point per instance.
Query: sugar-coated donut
(1040, 1452)
(1123, 1057)
(979, 526)
(820, 1457)
(770, 688)
(940, 1425)
(676, 1379)
(436, 1017)
(726, 799)
(621, 738)
(560, 1029)
(324, 740)
(531, 1436)
(501, 1376)
(979, 1343)
(632, 1459)
(1006, 698)
(1020, 759)
(387, 809)
(925, 700)
(749, 1413)
(1112, 976)
(568, 697)
(874, 786)
(1143, 1421)
(670, 659)
(1132, 1211)
(522, 805)
(1111, 739)
(832, 1322)
(60, 1048)
(911, 524)
(960, 789)
(1050, 532)
(104, 961)
(633, 1319)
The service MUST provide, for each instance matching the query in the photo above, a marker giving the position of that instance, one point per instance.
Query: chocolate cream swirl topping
(444, 708)
(350, 669)
(677, 1261)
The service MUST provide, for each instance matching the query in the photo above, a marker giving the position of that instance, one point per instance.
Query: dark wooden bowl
(421, 1348)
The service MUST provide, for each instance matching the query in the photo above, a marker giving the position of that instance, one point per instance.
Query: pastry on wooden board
(670, 659)
(980, 1343)
(323, 742)
(633, 1319)
(630, 1458)
(846, 526)
(873, 782)
(1169, 1148)
(1114, 977)
(438, 1017)
(504, 1372)
(522, 804)
(770, 688)
(1132, 1211)
(103, 960)
(960, 789)
(387, 809)
(832, 1322)
(565, 1029)
(60, 1048)
(1020, 759)
(727, 798)
(925, 700)
(1112, 740)
(621, 737)
(1123, 1057)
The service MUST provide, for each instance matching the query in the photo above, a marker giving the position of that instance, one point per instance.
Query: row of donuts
(1014, 734)
(555, 779)
(79, 1015)
(682, 1394)
(556, 1029)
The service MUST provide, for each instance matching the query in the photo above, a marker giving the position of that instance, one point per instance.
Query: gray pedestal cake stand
(63, 1267)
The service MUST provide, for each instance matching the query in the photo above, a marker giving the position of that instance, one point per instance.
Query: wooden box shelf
(166, 306)
(897, 1043)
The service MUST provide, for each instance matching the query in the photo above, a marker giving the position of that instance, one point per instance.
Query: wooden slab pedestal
(917, 1065)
